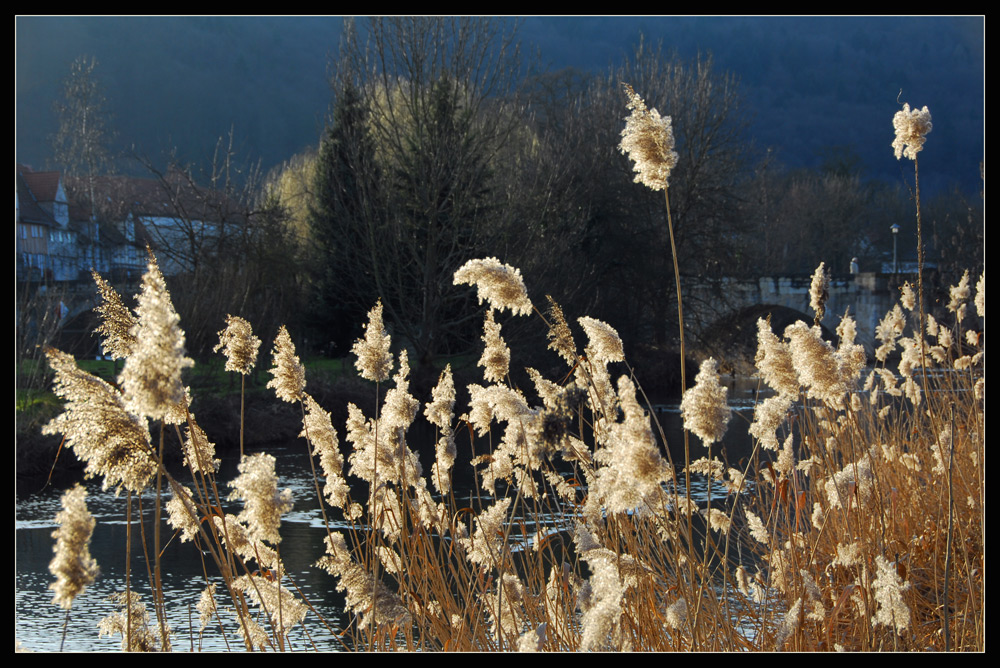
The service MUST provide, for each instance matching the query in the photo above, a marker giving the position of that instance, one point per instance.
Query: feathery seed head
(73, 566)
(318, 428)
(648, 139)
(717, 519)
(440, 410)
(199, 452)
(959, 294)
(151, 379)
(704, 408)
(774, 360)
(635, 469)
(850, 355)
(757, 528)
(981, 296)
(239, 345)
(560, 337)
(497, 283)
(855, 483)
(182, 513)
(289, 375)
(816, 363)
(907, 297)
(768, 415)
(98, 427)
(533, 640)
(889, 329)
(238, 541)
(257, 486)
(440, 413)
(117, 321)
(496, 355)
(485, 547)
(206, 606)
(131, 622)
(283, 608)
(819, 292)
(912, 128)
(374, 359)
(677, 614)
(889, 588)
(605, 344)
(367, 597)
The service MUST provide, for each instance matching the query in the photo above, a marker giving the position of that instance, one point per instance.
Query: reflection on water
(39, 623)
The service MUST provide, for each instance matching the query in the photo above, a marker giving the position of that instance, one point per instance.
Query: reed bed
(857, 523)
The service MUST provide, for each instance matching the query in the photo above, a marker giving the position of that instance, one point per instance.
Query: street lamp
(895, 233)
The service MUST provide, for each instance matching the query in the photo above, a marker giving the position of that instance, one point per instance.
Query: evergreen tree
(405, 189)
(344, 223)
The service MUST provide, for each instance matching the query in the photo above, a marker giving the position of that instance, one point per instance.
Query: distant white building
(183, 223)
(55, 239)
(59, 240)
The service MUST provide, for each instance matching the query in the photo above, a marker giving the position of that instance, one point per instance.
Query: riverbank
(39, 461)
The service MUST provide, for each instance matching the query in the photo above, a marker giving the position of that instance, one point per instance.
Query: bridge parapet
(866, 296)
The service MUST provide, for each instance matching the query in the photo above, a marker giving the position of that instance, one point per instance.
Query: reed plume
(374, 359)
(496, 355)
(239, 345)
(497, 283)
(99, 428)
(117, 322)
(704, 408)
(257, 487)
(912, 128)
(73, 566)
(131, 622)
(289, 380)
(819, 292)
(648, 139)
(151, 379)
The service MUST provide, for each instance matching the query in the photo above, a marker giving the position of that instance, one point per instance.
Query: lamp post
(895, 233)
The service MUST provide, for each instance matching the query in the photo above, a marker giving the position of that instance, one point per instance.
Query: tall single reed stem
(687, 438)
(62, 643)
(128, 571)
(680, 330)
(243, 386)
(920, 270)
(951, 520)
(373, 529)
(158, 585)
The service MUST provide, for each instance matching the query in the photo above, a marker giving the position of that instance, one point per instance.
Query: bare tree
(410, 183)
(81, 144)
(38, 316)
(224, 243)
(625, 246)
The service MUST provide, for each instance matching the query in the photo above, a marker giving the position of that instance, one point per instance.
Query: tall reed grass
(856, 524)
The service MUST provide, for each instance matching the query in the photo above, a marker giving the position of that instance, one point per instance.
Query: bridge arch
(732, 338)
(720, 303)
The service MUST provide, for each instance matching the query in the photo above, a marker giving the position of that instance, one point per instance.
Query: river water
(40, 624)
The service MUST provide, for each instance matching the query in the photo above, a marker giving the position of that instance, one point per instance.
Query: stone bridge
(70, 302)
(732, 306)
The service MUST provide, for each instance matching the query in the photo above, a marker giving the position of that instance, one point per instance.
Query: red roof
(43, 185)
(170, 197)
(27, 201)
